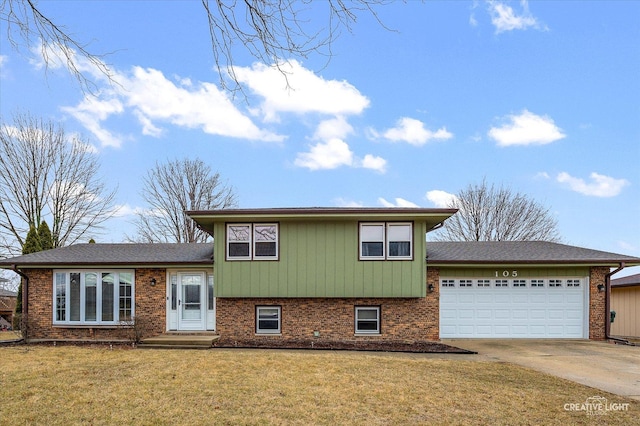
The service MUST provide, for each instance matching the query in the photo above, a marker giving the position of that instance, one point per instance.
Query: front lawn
(98, 385)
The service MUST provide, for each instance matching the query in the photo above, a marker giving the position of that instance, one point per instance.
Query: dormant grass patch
(97, 385)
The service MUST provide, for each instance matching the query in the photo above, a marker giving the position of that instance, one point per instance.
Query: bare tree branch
(271, 31)
(487, 213)
(172, 188)
(42, 174)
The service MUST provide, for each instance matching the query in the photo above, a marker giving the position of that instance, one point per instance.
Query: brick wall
(149, 308)
(406, 319)
(597, 318)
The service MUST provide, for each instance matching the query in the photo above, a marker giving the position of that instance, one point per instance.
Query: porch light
(430, 288)
(152, 282)
(600, 288)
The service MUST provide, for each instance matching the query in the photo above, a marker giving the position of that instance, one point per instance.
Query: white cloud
(399, 202)
(290, 87)
(600, 185)
(343, 202)
(153, 99)
(504, 18)
(372, 162)
(326, 155)
(335, 153)
(414, 132)
(336, 127)
(542, 175)
(203, 105)
(440, 198)
(526, 129)
(91, 112)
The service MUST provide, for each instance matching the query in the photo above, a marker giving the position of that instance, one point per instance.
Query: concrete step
(179, 341)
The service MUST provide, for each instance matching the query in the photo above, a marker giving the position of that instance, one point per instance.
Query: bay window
(93, 297)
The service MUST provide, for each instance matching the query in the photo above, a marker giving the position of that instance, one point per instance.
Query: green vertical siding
(320, 259)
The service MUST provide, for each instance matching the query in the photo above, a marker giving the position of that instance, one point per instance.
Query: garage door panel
(513, 312)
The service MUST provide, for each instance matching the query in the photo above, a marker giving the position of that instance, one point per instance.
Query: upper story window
(386, 240)
(252, 241)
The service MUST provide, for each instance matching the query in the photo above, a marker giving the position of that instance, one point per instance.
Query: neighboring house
(7, 307)
(625, 301)
(330, 274)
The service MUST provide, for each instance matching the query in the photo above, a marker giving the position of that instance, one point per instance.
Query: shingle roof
(471, 252)
(117, 254)
(629, 281)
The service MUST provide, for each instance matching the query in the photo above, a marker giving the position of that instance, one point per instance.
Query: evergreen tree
(32, 242)
(44, 236)
(31, 245)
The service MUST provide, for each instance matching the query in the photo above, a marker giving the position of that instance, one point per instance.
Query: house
(625, 302)
(324, 274)
(7, 307)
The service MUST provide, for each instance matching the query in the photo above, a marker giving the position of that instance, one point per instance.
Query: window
(390, 241)
(92, 297)
(502, 283)
(367, 320)
(400, 237)
(555, 283)
(466, 283)
(372, 240)
(519, 283)
(448, 283)
(573, 283)
(537, 283)
(484, 283)
(252, 241)
(267, 319)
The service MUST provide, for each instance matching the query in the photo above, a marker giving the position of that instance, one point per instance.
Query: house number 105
(507, 273)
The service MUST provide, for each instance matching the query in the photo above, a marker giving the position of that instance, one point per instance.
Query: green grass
(87, 385)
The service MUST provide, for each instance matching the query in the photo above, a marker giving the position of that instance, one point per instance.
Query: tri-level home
(273, 276)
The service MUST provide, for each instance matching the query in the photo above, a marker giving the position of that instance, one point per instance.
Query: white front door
(191, 301)
(187, 301)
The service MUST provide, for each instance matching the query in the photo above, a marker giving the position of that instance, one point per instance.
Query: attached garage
(520, 289)
(513, 308)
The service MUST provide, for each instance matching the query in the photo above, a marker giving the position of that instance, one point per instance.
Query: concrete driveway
(606, 366)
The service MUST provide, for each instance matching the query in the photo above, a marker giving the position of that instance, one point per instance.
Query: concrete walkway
(606, 366)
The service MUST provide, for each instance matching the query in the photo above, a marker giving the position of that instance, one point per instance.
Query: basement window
(268, 319)
(367, 320)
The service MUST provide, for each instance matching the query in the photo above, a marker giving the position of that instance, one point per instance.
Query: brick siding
(597, 318)
(149, 308)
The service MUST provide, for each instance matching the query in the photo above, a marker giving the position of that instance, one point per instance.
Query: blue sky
(542, 97)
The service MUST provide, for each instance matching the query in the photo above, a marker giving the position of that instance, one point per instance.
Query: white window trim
(269, 331)
(82, 299)
(385, 241)
(252, 242)
(378, 320)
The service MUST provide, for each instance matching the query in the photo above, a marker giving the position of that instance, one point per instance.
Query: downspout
(607, 305)
(25, 298)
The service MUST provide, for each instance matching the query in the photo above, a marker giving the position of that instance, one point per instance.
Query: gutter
(607, 306)
(25, 298)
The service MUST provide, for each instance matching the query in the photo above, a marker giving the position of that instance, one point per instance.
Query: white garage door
(513, 308)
